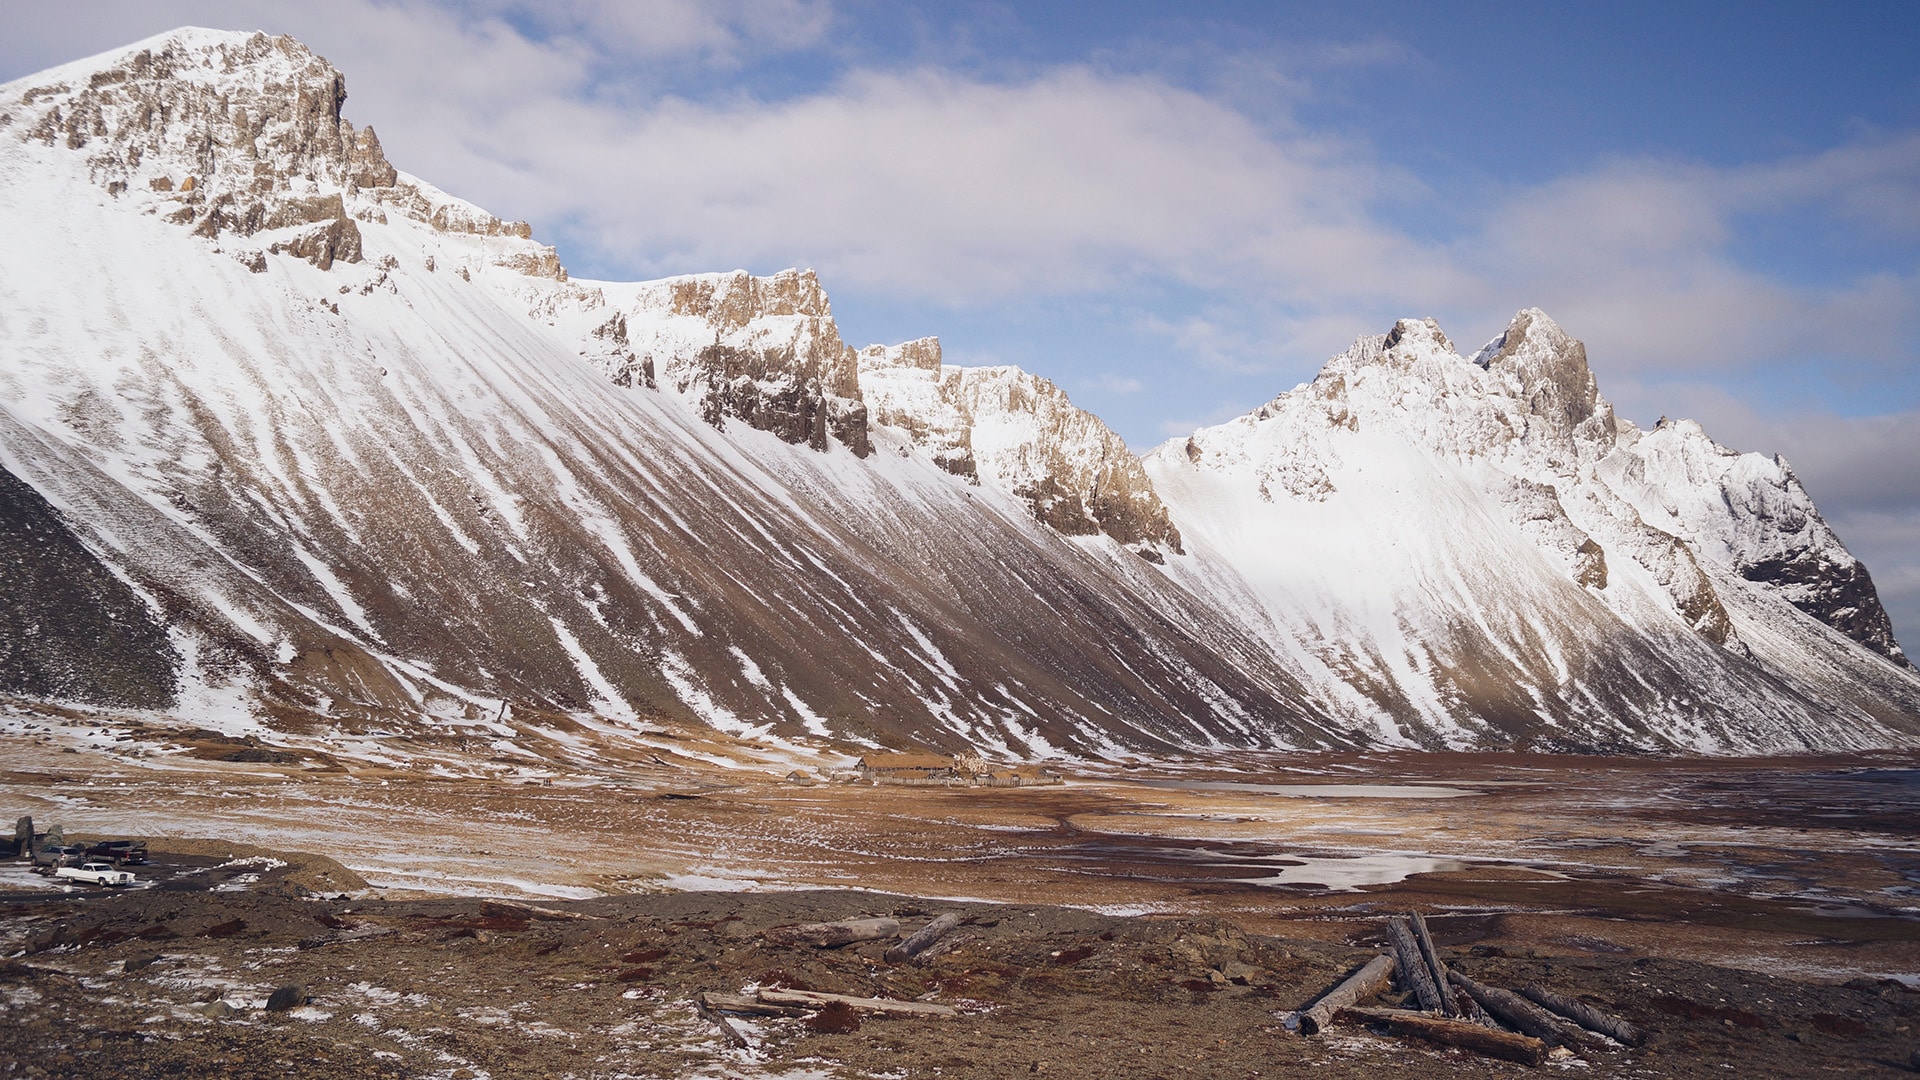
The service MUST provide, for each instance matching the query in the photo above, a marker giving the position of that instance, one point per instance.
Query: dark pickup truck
(120, 852)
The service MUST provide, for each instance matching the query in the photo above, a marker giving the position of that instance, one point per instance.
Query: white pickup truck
(97, 873)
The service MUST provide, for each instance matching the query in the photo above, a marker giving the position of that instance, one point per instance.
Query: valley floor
(1158, 920)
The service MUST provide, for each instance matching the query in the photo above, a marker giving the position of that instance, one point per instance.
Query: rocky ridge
(766, 351)
(379, 501)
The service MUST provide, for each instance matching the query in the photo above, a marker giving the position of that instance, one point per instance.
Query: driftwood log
(942, 947)
(1504, 1045)
(509, 909)
(830, 934)
(1586, 1016)
(747, 1006)
(341, 937)
(1363, 983)
(1434, 965)
(726, 1027)
(1519, 1013)
(922, 938)
(813, 999)
(1413, 966)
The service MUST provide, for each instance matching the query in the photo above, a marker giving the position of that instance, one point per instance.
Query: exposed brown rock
(776, 361)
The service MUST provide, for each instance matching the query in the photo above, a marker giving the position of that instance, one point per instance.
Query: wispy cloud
(1110, 383)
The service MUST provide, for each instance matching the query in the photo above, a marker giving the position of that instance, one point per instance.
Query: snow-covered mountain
(294, 443)
(1485, 551)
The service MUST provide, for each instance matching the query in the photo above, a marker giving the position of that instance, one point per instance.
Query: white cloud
(718, 29)
(935, 185)
(1117, 384)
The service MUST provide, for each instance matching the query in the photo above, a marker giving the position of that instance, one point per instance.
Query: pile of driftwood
(1457, 1011)
(916, 948)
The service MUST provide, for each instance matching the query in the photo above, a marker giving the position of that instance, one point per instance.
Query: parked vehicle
(120, 852)
(95, 873)
(58, 855)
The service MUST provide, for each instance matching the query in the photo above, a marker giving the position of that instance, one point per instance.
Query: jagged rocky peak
(239, 134)
(226, 132)
(1408, 335)
(1540, 365)
(1020, 434)
(1592, 489)
(1750, 514)
(762, 350)
(1075, 473)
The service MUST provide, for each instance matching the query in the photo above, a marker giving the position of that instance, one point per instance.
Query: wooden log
(1504, 1045)
(1586, 1016)
(832, 934)
(1519, 1013)
(1471, 1010)
(1413, 966)
(510, 909)
(943, 947)
(340, 937)
(1434, 965)
(726, 1026)
(1366, 982)
(747, 1006)
(884, 1006)
(924, 937)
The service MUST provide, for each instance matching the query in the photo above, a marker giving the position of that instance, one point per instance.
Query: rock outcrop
(1018, 432)
(904, 390)
(225, 134)
(766, 351)
(1749, 513)
(238, 136)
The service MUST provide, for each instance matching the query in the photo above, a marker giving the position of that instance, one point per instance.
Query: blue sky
(1178, 211)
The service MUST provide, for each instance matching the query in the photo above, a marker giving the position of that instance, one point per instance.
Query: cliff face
(903, 390)
(1748, 514)
(240, 139)
(763, 350)
(1018, 432)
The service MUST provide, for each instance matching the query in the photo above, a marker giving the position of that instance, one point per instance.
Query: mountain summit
(1495, 555)
(295, 445)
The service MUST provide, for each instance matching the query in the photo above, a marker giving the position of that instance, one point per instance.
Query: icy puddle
(1319, 791)
(1345, 874)
(1227, 865)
